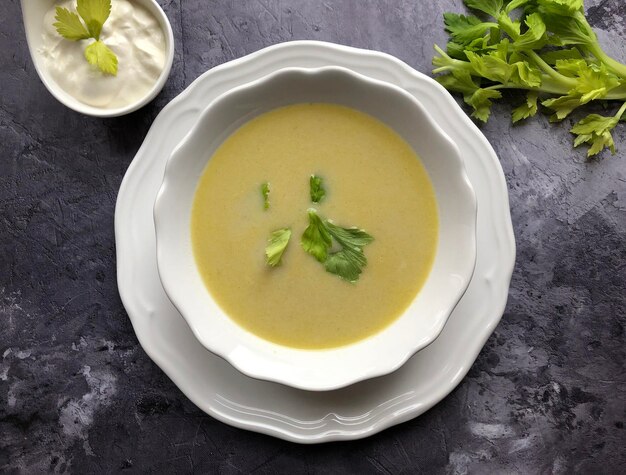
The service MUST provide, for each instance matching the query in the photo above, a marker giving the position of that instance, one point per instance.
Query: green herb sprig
(545, 47)
(94, 14)
(276, 246)
(265, 192)
(318, 237)
(317, 191)
(349, 261)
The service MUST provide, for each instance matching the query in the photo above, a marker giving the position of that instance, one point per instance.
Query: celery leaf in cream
(69, 26)
(94, 13)
(100, 55)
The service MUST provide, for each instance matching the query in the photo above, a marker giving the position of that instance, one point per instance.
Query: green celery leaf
(512, 5)
(69, 26)
(465, 29)
(494, 65)
(594, 82)
(480, 100)
(509, 26)
(457, 51)
(521, 52)
(316, 239)
(568, 31)
(596, 131)
(458, 81)
(490, 7)
(560, 7)
(265, 192)
(346, 263)
(594, 123)
(276, 246)
(525, 74)
(100, 55)
(527, 109)
(551, 57)
(349, 237)
(445, 63)
(94, 13)
(570, 67)
(317, 190)
(535, 35)
(562, 106)
(456, 23)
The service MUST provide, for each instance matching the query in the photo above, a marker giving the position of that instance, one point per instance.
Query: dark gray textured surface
(77, 392)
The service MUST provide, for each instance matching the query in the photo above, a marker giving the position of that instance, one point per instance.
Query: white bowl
(33, 13)
(379, 354)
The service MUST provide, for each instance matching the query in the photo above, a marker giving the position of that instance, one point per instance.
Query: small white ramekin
(33, 13)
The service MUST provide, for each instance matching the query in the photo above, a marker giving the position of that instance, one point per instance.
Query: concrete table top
(78, 394)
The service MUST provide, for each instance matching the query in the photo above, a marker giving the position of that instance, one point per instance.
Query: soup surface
(373, 180)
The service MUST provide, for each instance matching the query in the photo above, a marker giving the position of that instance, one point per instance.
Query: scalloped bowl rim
(324, 369)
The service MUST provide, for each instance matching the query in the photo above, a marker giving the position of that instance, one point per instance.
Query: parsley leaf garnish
(353, 237)
(317, 189)
(545, 47)
(94, 13)
(276, 245)
(348, 262)
(316, 240)
(265, 191)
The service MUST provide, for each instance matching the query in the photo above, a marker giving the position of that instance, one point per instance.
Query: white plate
(300, 416)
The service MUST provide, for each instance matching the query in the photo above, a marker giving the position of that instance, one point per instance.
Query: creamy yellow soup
(373, 180)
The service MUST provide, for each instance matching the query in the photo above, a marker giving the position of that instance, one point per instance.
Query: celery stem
(616, 66)
(570, 82)
(494, 36)
(594, 47)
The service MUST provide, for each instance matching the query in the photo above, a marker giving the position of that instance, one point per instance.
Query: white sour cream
(134, 35)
